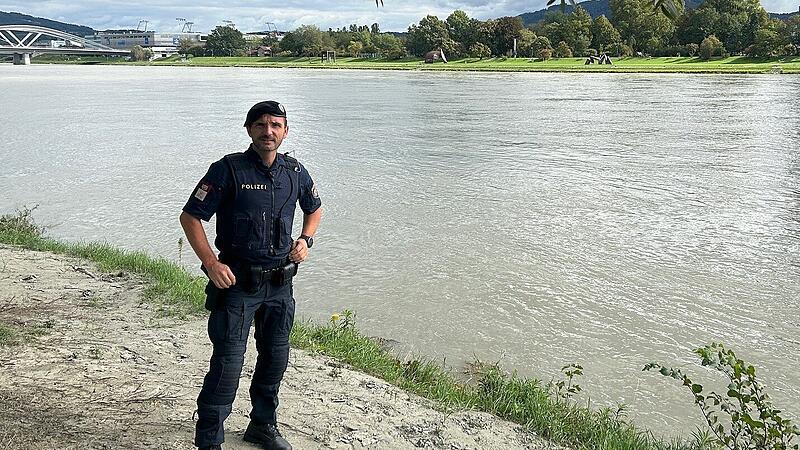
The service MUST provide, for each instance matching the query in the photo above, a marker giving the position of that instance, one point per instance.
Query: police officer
(254, 195)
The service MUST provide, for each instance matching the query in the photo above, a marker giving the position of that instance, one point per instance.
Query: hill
(595, 8)
(15, 18)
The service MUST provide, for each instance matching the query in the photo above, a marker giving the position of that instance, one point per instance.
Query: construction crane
(229, 23)
(182, 21)
(145, 22)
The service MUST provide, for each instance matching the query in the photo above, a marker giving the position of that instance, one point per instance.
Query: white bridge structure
(25, 41)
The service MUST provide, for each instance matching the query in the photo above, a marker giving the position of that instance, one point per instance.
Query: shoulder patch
(202, 191)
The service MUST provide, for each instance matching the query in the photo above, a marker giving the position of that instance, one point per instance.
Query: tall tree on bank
(506, 30)
(644, 28)
(604, 35)
(734, 22)
(226, 41)
(430, 34)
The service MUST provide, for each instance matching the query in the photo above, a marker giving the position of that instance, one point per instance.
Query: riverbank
(89, 364)
(737, 64)
(112, 343)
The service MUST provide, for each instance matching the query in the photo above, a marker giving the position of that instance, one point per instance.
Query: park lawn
(654, 65)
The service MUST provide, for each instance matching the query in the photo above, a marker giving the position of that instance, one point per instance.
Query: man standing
(254, 195)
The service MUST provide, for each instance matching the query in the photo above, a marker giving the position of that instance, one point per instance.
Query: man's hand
(220, 274)
(299, 251)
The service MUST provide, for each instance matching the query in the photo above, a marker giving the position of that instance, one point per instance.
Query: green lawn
(736, 64)
(683, 64)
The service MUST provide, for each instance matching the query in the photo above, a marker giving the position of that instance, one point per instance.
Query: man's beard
(262, 146)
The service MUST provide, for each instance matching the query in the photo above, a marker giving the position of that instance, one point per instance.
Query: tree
(545, 54)
(389, 46)
(139, 53)
(541, 43)
(562, 50)
(526, 40)
(355, 48)
(734, 22)
(579, 30)
(692, 49)
(185, 45)
(768, 41)
(641, 26)
(307, 40)
(375, 28)
(696, 24)
(465, 31)
(604, 34)
(430, 34)
(792, 30)
(479, 50)
(225, 41)
(506, 29)
(619, 49)
(555, 27)
(711, 46)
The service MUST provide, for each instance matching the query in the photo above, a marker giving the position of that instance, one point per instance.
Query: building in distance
(162, 44)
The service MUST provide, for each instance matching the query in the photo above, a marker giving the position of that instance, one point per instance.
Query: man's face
(267, 132)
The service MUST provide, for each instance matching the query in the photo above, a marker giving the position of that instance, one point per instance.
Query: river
(537, 219)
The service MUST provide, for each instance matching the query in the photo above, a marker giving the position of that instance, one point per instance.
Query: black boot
(267, 435)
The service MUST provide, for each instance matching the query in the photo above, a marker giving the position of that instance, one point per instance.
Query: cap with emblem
(270, 107)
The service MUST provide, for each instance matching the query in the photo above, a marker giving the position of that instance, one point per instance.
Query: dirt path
(98, 368)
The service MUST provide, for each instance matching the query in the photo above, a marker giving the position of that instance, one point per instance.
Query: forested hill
(14, 18)
(595, 8)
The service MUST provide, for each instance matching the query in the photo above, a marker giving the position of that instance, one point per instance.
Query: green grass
(8, 335)
(169, 285)
(524, 401)
(737, 64)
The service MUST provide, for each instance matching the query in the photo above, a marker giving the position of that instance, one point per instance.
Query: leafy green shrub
(711, 46)
(563, 51)
(545, 54)
(753, 423)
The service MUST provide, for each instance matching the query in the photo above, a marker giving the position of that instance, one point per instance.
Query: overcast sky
(252, 15)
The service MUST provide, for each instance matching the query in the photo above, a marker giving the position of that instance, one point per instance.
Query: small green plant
(20, 224)
(344, 321)
(180, 251)
(566, 388)
(753, 423)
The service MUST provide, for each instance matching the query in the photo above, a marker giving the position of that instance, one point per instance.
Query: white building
(162, 44)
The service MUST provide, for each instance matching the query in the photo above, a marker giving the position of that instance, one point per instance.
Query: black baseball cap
(270, 107)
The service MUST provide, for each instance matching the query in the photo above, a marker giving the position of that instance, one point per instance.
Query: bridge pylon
(22, 59)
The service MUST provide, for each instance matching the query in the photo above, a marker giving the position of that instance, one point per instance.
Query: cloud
(252, 15)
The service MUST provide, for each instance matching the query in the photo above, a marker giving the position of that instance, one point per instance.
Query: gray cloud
(251, 15)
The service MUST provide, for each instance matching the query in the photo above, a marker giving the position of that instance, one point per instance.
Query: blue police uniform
(255, 206)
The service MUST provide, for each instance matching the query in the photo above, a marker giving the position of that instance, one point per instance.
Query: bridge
(25, 42)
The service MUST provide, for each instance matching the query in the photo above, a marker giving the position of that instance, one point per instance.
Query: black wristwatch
(309, 240)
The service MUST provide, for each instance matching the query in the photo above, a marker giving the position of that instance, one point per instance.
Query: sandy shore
(96, 367)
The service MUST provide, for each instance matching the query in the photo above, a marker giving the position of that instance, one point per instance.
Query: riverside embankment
(739, 64)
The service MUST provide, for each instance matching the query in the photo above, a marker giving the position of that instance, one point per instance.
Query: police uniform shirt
(254, 213)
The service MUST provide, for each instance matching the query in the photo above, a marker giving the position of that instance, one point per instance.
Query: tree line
(715, 28)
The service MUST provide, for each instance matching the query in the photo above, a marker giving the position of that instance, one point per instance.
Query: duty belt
(259, 275)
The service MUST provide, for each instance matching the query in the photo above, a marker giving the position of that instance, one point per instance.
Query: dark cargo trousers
(272, 310)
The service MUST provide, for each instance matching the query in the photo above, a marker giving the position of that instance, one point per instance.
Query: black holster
(215, 297)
